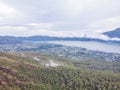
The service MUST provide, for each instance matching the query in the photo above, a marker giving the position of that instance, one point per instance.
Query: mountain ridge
(113, 34)
(14, 40)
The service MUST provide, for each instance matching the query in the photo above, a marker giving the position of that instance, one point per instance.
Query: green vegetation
(24, 73)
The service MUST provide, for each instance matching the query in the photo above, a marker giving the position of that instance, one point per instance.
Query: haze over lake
(91, 45)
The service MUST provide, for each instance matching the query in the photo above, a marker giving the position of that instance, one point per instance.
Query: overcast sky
(58, 17)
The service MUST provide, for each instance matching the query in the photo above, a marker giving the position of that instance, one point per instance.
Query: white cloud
(9, 14)
(5, 9)
(26, 30)
(105, 24)
(41, 25)
(59, 17)
(45, 29)
(72, 8)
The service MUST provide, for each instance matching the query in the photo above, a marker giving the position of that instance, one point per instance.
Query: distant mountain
(113, 33)
(15, 40)
(9, 40)
(48, 38)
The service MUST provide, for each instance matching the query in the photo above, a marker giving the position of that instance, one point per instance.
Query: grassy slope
(23, 73)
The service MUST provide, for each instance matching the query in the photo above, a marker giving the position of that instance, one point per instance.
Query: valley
(59, 65)
(49, 66)
(70, 52)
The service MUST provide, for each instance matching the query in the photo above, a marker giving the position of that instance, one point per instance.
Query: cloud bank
(66, 18)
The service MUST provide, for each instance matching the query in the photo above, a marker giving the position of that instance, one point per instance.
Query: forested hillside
(21, 72)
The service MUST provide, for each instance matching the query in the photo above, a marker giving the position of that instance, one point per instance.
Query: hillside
(113, 33)
(21, 71)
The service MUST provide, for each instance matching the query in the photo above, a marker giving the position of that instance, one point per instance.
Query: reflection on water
(91, 45)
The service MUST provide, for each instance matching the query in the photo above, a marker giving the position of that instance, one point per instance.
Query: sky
(64, 18)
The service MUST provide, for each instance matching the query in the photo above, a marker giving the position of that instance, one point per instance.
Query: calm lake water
(91, 45)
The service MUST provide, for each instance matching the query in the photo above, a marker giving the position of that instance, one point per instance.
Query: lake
(91, 45)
